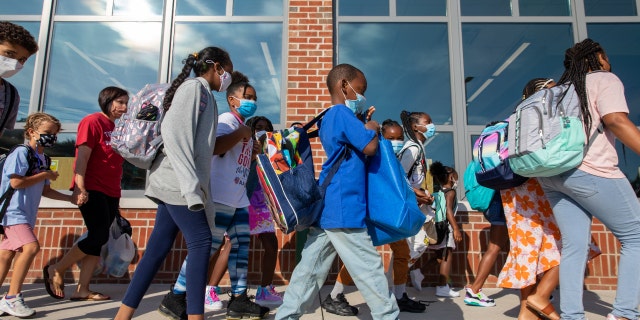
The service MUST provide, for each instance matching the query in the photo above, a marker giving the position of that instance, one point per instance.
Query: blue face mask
(247, 107)
(431, 130)
(396, 145)
(356, 106)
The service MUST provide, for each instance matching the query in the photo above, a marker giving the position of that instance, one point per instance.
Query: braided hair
(535, 85)
(408, 120)
(198, 62)
(238, 81)
(388, 124)
(253, 122)
(578, 61)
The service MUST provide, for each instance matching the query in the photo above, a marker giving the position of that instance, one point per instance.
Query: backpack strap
(5, 199)
(346, 153)
(10, 92)
(415, 163)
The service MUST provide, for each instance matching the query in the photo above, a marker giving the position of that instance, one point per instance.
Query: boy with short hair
(16, 46)
(341, 229)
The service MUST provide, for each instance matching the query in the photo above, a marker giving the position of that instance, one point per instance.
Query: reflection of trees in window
(133, 178)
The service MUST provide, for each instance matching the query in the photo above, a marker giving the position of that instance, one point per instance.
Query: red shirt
(104, 169)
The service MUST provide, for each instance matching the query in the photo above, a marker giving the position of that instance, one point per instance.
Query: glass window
(621, 41)
(201, 8)
(485, 7)
(421, 7)
(255, 49)
(406, 65)
(23, 79)
(628, 162)
(610, 7)
(497, 67)
(363, 8)
(544, 8)
(89, 56)
(440, 148)
(257, 7)
(137, 7)
(81, 7)
(21, 7)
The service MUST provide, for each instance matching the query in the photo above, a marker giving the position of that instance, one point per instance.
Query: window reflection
(255, 49)
(497, 68)
(610, 7)
(406, 65)
(81, 7)
(89, 56)
(137, 7)
(363, 7)
(485, 7)
(421, 7)
(21, 7)
(544, 8)
(257, 7)
(201, 8)
(440, 148)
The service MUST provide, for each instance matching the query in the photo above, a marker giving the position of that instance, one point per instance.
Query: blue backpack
(479, 197)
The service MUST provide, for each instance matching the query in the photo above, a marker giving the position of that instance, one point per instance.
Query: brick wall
(58, 229)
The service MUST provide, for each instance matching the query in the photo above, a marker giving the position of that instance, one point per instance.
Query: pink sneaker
(211, 300)
(268, 296)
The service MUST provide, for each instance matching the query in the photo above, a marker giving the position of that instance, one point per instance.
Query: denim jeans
(360, 257)
(235, 222)
(576, 197)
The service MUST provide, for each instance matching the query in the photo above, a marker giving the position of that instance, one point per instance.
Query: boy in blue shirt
(342, 228)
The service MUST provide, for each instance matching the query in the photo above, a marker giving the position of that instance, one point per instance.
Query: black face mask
(47, 139)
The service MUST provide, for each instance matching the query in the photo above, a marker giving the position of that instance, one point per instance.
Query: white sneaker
(16, 307)
(445, 291)
(416, 278)
(211, 300)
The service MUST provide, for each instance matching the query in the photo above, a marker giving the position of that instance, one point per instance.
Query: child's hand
(423, 197)
(245, 132)
(52, 175)
(369, 113)
(372, 125)
(457, 235)
(79, 197)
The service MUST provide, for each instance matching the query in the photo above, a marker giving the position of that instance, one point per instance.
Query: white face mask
(225, 81)
(9, 67)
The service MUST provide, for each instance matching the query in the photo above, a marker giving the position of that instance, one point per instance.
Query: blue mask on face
(431, 130)
(356, 106)
(247, 108)
(396, 145)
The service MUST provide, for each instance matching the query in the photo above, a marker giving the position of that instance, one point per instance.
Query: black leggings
(98, 214)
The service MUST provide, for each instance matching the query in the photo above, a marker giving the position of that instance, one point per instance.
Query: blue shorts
(495, 213)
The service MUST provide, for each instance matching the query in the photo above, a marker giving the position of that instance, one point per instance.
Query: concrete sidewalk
(597, 304)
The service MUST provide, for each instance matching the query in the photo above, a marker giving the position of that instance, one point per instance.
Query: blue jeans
(235, 222)
(169, 220)
(360, 257)
(576, 197)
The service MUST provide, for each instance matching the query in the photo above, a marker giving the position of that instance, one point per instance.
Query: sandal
(48, 284)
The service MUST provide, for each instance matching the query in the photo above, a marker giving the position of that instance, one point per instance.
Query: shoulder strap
(346, 153)
(415, 163)
(10, 92)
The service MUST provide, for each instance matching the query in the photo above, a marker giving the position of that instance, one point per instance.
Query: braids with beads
(198, 62)
(578, 61)
(408, 120)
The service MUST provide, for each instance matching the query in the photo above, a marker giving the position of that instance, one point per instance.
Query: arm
(55, 194)
(80, 192)
(372, 147)
(623, 129)
(225, 142)
(451, 198)
(21, 182)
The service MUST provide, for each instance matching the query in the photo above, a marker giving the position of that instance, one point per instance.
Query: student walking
(341, 230)
(26, 176)
(597, 187)
(179, 179)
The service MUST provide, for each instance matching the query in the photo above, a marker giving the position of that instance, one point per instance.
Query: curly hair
(34, 121)
(441, 172)
(17, 35)
(238, 80)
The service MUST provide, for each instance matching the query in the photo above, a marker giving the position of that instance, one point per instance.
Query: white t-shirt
(410, 157)
(606, 95)
(230, 170)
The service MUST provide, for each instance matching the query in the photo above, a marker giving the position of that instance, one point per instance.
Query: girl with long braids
(597, 188)
(179, 181)
(418, 128)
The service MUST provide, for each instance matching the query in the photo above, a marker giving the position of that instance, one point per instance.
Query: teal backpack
(479, 197)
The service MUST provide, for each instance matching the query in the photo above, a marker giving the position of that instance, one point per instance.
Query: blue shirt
(23, 207)
(346, 196)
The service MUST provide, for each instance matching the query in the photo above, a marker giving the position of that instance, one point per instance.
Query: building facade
(463, 62)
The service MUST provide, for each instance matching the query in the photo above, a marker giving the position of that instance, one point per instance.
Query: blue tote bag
(392, 207)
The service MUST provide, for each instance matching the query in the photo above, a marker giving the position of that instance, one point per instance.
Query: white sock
(399, 290)
(338, 288)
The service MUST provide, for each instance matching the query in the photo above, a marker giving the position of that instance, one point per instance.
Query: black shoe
(241, 307)
(174, 305)
(339, 306)
(407, 305)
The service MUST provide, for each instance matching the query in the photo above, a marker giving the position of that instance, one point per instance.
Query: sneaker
(240, 307)
(16, 307)
(268, 296)
(339, 306)
(211, 300)
(446, 291)
(174, 305)
(407, 305)
(416, 278)
(478, 299)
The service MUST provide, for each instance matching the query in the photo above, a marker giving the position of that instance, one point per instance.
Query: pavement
(597, 304)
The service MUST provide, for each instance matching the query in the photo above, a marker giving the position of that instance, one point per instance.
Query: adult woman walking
(96, 186)
(597, 187)
(179, 179)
